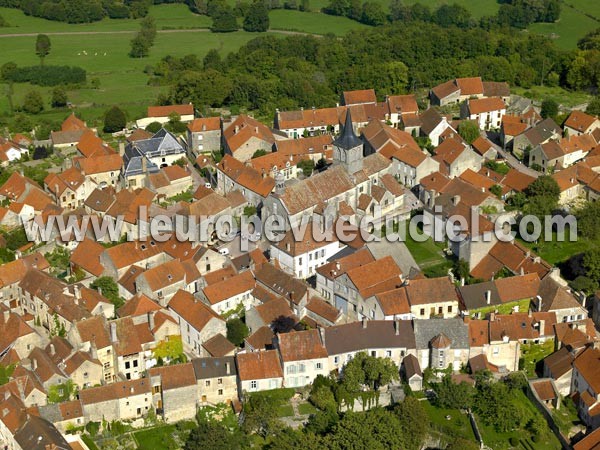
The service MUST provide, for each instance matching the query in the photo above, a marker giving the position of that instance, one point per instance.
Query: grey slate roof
(358, 336)
(39, 434)
(206, 368)
(162, 143)
(473, 296)
(455, 329)
(348, 138)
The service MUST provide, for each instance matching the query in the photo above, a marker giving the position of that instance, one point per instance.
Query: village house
(322, 312)
(511, 127)
(92, 335)
(170, 181)
(163, 114)
(487, 351)
(148, 156)
(455, 156)
(90, 146)
(302, 255)
(174, 391)
(442, 343)
(456, 91)
(244, 135)
(401, 106)
(271, 309)
(103, 170)
(585, 386)
(203, 135)
(11, 151)
(161, 282)
(562, 153)
(485, 148)
(230, 294)
(541, 133)
(303, 357)
(69, 188)
(123, 400)
(313, 147)
(434, 125)
(330, 272)
(307, 122)
(411, 372)
(64, 415)
(277, 163)
(11, 274)
(559, 367)
(70, 132)
(379, 338)
(16, 335)
(216, 380)
(233, 175)
(197, 321)
(487, 112)
(81, 367)
(259, 371)
(579, 123)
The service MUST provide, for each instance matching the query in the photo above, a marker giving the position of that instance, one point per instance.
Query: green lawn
(558, 94)
(427, 253)
(311, 22)
(500, 441)
(566, 417)
(505, 308)
(572, 25)
(306, 408)
(285, 410)
(163, 436)
(457, 427)
(532, 354)
(556, 252)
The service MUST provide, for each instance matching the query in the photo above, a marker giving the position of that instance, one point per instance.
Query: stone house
(216, 380)
(303, 357)
(442, 343)
(259, 371)
(487, 112)
(203, 135)
(123, 400)
(161, 114)
(197, 321)
(174, 391)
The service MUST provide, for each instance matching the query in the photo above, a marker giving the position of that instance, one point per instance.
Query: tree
(587, 220)
(33, 103)
(257, 19)
(224, 20)
(139, 47)
(453, 395)
(109, 289)
(544, 186)
(468, 130)
(59, 97)
(237, 331)
(413, 422)
(153, 127)
(372, 13)
(258, 153)
(549, 109)
(283, 324)
(591, 263)
(593, 107)
(213, 436)
(42, 47)
(307, 166)
(114, 120)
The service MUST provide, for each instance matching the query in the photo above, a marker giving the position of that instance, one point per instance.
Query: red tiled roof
(164, 111)
(259, 365)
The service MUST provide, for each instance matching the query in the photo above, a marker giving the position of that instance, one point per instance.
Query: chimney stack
(34, 364)
(113, 332)
(151, 320)
(228, 368)
(364, 324)
(488, 297)
(52, 350)
(6, 316)
(121, 148)
(397, 327)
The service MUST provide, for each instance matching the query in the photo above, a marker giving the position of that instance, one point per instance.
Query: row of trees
(270, 72)
(80, 11)
(515, 13)
(144, 39)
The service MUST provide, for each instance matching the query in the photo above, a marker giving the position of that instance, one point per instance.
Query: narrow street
(508, 157)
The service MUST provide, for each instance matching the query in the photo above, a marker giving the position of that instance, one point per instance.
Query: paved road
(511, 160)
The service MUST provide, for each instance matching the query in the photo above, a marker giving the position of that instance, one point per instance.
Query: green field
(556, 93)
(311, 22)
(572, 25)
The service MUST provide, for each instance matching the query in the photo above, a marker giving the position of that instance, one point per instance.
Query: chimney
(322, 333)
(144, 165)
(338, 266)
(6, 316)
(77, 292)
(52, 350)
(364, 323)
(492, 316)
(397, 327)
(131, 389)
(100, 290)
(236, 129)
(151, 320)
(256, 130)
(462, 281)
(542, 327)
(456, 200)
(228, 368)
(34, 364)
(488, 297)
(93, 350)
(121, 148)
(113, 332)
(539, 299)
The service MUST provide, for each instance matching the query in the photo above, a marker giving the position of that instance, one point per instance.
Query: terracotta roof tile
(205, 124)
(165, 111)
(220, 291)
(192, 311)
(259, 365)
(301, 346)
(580, 121)
(482, 105)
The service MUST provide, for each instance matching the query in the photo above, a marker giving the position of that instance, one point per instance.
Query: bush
(33, 102)
(514, 441)
(114, 120)
(153, 127)
(48, 75)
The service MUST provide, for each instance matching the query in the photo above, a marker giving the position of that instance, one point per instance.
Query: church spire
(348, 139)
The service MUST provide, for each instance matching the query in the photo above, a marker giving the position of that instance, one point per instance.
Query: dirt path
(187, 30)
